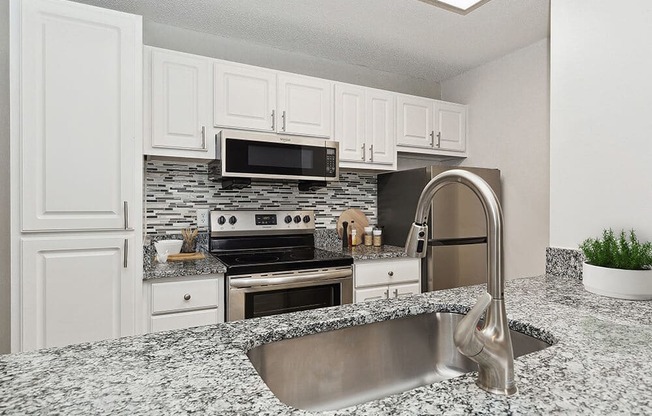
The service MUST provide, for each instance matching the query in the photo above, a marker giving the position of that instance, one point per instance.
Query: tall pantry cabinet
(77, 174)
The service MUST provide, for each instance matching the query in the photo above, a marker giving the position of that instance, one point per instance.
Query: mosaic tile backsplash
(175, 190)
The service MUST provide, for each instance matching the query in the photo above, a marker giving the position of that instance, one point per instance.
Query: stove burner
(303, 255)
(257, 258)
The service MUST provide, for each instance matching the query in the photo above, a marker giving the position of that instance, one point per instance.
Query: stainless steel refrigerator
(457, 249)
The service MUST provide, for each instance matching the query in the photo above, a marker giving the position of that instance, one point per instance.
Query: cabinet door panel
(180, 100)
(76, 289)
(244, 97)
(349, 122)
(414, 121)
(80, 89)
(374, 293)
(450, 121)
(305, 105)
(398, 291)
(185, 320)
(381, 126)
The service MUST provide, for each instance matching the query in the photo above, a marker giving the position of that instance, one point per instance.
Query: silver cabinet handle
(283, 117)
(395, 293)
(273, 120)
(203, 137)
(432, 138)
(125, 260)
(125, 208)
(390, 273)
(186, 296)
(387, 294)
(438, 139)
(371, 153)
(364, 151)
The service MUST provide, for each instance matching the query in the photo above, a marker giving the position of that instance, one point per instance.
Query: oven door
(260, 156)
(253, 296)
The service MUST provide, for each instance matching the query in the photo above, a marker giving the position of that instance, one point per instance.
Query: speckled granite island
(599, 363)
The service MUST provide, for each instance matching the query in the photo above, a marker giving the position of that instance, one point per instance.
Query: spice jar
(368, 235)
(354, 237)
(378, 237)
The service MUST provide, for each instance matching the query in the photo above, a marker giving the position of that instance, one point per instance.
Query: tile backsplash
(175, 190)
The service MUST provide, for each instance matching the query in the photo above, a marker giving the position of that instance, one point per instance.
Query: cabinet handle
(203, 137)
(395, 293)
(371, 153)
(364, 151)
(390, 273)
(432, 138)
(273, 120)
(125, 208)
(186, 296)
(438, 139)
(125, 260)
(387, 294)
(283, 117)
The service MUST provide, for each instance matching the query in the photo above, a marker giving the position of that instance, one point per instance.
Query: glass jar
(368, 235)
(378, 237)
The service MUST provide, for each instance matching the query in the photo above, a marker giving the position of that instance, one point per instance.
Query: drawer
(184, 295)
(387, 272)
(185, 320)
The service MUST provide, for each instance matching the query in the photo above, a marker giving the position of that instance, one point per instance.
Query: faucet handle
(466, 335)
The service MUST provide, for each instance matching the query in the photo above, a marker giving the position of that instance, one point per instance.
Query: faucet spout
(490, 347)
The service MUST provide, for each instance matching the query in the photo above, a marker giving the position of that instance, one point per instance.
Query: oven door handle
(295, 278)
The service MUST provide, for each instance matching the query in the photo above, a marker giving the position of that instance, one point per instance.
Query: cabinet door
(76, 289)
(414, 121)
(398, 291)
(180, 101)
(381, 126)
(80, 117)
(350, 122)
(182, 320)
(245, 97)
(450, 126)
(374, 293)
(305, 105)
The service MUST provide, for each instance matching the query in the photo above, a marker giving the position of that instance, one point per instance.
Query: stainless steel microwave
(271, 156)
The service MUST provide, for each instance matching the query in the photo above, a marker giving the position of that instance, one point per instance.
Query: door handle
(395, 293)
(125, 207)
(364, 151)
(432, 138)
(371, 153)
(283, 117)
(203, 137)
(438, 139)
(125, 260)
(387, 294)
(273, 120)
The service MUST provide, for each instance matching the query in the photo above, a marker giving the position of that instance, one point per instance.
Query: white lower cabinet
(77, 289)
(386, 278)
(187, 302)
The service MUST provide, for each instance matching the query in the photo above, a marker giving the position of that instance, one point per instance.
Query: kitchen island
(599, 363)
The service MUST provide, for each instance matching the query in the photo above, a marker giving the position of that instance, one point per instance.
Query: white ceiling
(406, 37)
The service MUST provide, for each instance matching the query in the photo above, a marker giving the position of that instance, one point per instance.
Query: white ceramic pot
(168, 246)
(618, 283)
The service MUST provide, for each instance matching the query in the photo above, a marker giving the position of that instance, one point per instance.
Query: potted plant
(619, 267)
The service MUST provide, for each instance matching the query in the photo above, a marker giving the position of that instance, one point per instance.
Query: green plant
(618, 252)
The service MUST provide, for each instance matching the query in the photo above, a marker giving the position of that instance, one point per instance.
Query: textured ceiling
(406, 37)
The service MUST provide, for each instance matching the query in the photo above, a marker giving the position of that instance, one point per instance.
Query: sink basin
(345, 367)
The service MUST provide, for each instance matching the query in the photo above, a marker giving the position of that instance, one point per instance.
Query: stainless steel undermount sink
(345, 367)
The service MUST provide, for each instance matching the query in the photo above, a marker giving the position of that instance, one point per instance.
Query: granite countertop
(362, 252)
(600, 363)
(152, 269)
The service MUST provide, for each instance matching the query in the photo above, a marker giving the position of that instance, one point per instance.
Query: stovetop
(276, 260)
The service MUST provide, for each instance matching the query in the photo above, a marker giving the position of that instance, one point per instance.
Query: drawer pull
(390, 273)
(186, 296)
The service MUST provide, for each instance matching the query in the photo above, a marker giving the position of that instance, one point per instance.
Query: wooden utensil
(186, 256)
(356, 219)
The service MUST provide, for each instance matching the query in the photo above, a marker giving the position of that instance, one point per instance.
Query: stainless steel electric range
(273, 266)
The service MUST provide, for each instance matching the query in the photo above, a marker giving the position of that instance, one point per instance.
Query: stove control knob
(288, 219)
(233, 220)
(221, 220)
(306, 218)
(297, 219)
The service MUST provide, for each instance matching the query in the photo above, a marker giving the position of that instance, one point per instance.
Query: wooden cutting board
(359, 221)
(186, 256)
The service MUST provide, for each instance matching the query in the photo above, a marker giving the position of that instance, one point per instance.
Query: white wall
(5, 279)
(169, 37)
(600, 119)
(508, 130)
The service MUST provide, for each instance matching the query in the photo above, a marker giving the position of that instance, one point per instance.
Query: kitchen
(511, 134)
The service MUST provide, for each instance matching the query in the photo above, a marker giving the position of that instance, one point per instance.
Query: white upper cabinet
(414, 121)
(178, 105)
(304, 105)
(350, 122)
(80, 115)
(245, 97)
(381, 127)
(450, 130)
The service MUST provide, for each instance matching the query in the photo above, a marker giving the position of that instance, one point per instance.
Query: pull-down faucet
(491, 346)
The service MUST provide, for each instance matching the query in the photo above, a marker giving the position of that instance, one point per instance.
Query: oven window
(291, 300)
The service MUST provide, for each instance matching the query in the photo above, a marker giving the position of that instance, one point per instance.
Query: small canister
(378, 237)
(368, 235)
